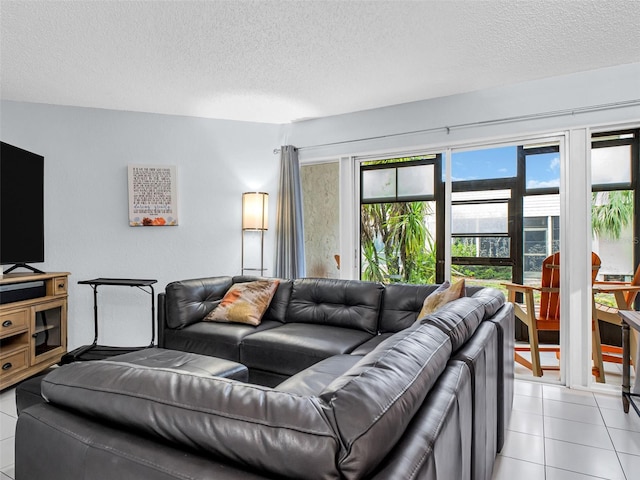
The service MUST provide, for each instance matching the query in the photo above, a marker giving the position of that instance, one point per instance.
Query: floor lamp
(255, 210)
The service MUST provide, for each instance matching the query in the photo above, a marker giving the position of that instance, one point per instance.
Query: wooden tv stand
(33, 331)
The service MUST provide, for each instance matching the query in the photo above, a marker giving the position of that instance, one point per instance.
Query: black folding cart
(95, 351)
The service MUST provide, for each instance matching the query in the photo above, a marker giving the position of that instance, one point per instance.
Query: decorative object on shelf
(153, 200)
(255, 218)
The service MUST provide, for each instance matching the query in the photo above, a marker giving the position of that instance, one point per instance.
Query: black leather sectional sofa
(344, 382)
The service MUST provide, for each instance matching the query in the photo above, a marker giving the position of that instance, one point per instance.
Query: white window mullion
(349, 220)
(575, 245)
(447, 215)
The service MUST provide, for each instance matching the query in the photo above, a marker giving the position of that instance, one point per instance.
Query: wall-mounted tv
(21, 207)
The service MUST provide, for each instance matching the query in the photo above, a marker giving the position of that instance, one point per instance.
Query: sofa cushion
(339, 303)
(244, 303)
(188, 301)
(492, 299)
(458, 319)
(292, 347)
(313, 380)
(184, 362)
(374, 401)
(281, 433)
(215, 339)
(401, 304)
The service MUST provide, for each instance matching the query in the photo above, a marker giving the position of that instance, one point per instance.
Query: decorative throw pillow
(244, 302)
(442, 296)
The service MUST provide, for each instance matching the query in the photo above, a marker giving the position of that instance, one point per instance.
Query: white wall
(86, 204)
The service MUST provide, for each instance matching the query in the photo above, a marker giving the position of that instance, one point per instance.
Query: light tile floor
(555, 433)
(613, 371)
(8, 418)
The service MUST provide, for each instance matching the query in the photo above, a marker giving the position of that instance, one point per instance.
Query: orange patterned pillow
(244, 302)
(440, 297)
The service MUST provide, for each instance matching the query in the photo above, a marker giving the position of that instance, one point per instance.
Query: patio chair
(544, 315)
(624, 301)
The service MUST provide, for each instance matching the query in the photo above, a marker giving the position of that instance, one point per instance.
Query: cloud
(611, 165)
(462, 179)
(554, 164)
(532, 184)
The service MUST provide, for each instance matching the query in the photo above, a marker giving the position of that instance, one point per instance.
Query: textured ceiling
(279, 61)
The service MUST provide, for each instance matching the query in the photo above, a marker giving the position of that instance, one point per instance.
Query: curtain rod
(499, 121)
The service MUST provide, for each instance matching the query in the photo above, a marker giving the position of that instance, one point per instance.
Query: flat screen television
(21, 207)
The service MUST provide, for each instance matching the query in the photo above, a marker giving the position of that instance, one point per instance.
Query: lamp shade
(255, 211)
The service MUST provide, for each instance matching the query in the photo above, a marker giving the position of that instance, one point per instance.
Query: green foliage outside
(398, 247)
(611, 212)
(396, 244)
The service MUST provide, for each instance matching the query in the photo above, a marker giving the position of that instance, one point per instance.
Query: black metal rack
(95, 351)
(630, 319)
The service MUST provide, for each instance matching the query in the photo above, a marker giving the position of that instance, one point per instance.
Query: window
(384, 182)
(398, 210)
(543, 171)
(611, 165)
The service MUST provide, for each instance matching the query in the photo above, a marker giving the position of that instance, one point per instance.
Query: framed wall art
(153, 198)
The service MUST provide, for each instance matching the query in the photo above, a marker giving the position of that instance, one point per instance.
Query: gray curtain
(289, 258)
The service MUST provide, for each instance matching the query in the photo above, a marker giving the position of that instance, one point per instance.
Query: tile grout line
(611, 440)
(544, 434)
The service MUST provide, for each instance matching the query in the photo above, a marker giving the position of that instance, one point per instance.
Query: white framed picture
(153, 199)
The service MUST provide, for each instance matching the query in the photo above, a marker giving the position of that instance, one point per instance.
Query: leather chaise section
(70, 447)
(249, 425)
(183, 362)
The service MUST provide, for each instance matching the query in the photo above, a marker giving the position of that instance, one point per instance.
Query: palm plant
(611, 212)
(396, 244)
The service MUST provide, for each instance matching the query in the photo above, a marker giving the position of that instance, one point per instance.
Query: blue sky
(542, 170)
